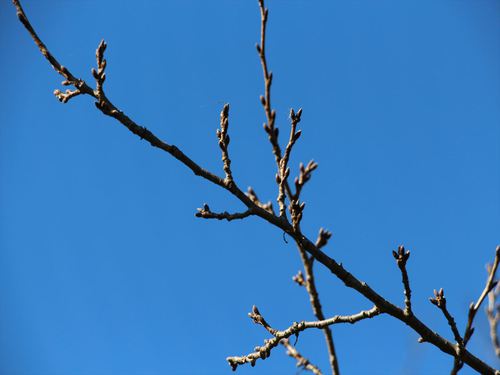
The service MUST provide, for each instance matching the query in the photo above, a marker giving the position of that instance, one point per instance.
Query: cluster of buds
(401, 256)
(295, 117)
(439, 299)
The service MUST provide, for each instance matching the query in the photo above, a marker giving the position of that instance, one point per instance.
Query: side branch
(224, 142)
(310, 285)
(491, 283)
(402, 257)
(301, 360)
(263, 352)
(439, 300)
(284, 171)
(493, 314)
(206, 213)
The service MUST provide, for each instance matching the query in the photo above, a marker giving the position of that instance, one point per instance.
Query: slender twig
(301, 360)
(439, 300)
(474, 307)
(310, 285)
(206, 213)
(493, 314)
(296, 207)
(284, 171)
(264, 351)
(402, 257)
(269, 127)
(224, 142)
(427, 335)
(304, 176)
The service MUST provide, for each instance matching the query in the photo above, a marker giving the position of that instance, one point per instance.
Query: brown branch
(269, 127)
(439, 300)
(301, 360)
(474, 307)
(402, 257)
(224, 142)
(310, 285)
(304, 176)
(493, 314)
(206, 213)
(296, 208)
(337, 269)
(70, 79)
(264, 351)
(284, 171)
(253, 197)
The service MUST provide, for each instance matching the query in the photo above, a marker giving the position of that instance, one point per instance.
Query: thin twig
(310, 285)
(301, 360)
(304, 176)
(284, 170)
(439, 300)
(296, 207)
(402, 257)
(474, 307)
(224, 142)
(206, 213)
(264, 351)
(493, 314)
(269, 127)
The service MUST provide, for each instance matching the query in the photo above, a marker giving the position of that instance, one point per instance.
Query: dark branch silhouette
(310, 252)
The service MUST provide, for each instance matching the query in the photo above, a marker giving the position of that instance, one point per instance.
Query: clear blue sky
(104, 270)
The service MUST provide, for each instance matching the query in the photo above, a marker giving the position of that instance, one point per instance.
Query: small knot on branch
(299, 279)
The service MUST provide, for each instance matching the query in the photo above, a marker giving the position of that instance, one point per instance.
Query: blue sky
(105, 270)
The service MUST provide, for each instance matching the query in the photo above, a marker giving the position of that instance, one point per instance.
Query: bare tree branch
(301, 360)
(474, 307)
(493, 314)
(310, 284)
(107, 108)
(296, 208)
(264, 351)
(439, 300)
(402, 257)
(224, 142)
(206, 213)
